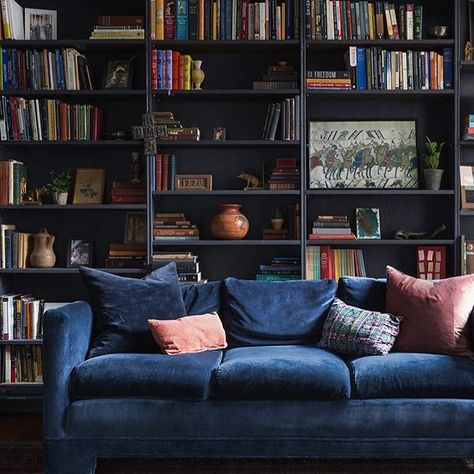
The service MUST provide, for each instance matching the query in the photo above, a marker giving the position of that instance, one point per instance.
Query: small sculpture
(197, 75)
(34, 196)
(252, 181)
(468, 52)
(43, 254)
(406, 234)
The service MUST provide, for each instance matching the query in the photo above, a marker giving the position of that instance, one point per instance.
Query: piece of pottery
(197, 75)
(433, 178)
(43, 254)
(60, 198)
(277, 224)
(230, 223)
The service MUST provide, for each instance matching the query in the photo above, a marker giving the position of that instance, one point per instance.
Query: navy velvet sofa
(273, 401)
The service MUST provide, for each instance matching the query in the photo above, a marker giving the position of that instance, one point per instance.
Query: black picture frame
(80, 251)
(118, 74)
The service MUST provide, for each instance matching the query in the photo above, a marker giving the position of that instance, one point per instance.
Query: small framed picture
(41, 24)
(89, 186)
(135, 228)
(119, 74)
(80, 251)
(219, 133)
(368, 223)
(467, 197)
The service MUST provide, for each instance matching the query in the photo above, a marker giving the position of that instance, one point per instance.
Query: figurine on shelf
(406, 234)
(197, 75)
(252, 181)
(468, 52)
(34, 196)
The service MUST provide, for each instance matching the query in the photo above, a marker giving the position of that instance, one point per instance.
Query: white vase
(60, 198)
(197, 75)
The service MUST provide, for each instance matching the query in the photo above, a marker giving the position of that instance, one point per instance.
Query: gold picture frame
(467, 197)
(193, 182)
(89, 186)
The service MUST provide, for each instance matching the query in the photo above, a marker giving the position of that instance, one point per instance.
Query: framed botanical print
(89, 186)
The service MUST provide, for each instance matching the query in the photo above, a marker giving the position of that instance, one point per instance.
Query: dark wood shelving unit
(432, 94)
(22, 342)
(218, 94)
(226, 45)
(376, 192)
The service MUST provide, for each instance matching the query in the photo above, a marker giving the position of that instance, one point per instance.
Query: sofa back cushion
(365, 293)
(258, 313)
(202, 298)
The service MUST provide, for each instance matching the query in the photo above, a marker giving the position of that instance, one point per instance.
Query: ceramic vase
(197, 75)
(229, 223)
(433, 178)
(60, 198)
(43, 254)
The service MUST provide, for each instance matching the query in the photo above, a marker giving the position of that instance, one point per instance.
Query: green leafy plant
(277, 214)
(433, 155)
(60, 182)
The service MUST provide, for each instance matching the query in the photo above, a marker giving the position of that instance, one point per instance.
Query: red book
(165, 171)
(158, 172)
(286, 163)
(154, 69)
(170, 19)
(4, 182)
(15, 132)
(349, 20)
(244, 23)
(326, 260)
(63, 122)
(176, 56)
(332, 237)
(96, 123)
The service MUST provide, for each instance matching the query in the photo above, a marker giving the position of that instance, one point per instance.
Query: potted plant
(277, 219)
(59, 186)
(432, 172)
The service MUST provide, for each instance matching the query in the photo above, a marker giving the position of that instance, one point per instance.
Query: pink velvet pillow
(189, 334)
(435, 313)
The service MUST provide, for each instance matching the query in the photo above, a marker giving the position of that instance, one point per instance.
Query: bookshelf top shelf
(85, 45)
(22, 342)
(388, 44)
(74, 207)
(230, 192)
(223, 45)
(98, 93)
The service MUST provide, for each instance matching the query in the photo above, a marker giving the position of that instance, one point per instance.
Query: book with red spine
(158, 172)
(164, 172)
(332, 237)
(244, 20)
(170, 19)
(326, 262)
(96, 123)
(154, 69)
(175, 62)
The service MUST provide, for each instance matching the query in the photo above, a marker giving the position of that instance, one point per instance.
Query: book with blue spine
(182, 19)
(448, 67)
(228, 20)
(361, 70)
(59, 67)
(5, 69)
(159, 68)
(172, 167)
(168, 72)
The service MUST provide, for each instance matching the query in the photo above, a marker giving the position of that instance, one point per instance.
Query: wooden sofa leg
(65, 459)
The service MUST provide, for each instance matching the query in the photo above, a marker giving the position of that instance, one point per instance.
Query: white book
(410, 23)
(405, 71)
(16, 20)
(330, 19)
(7, 361)
(3, 121)
(234, 19)
(52, 78)
(262, 21)
(38, 120)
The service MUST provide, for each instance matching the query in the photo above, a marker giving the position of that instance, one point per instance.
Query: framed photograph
(80, 251)
(467, 197)
(89, 186)
(363, 154)
(368, 223)
(119, 74)
(219, 133)
(193, 182)
(41, 24)
(135, 228)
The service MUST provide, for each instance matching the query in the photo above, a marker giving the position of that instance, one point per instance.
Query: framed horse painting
(363, 154)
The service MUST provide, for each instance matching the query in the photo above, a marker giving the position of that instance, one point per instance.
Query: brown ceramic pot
(43, 254)
(230, 223)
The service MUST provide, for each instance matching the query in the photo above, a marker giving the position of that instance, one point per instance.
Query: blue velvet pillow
(258, 313)
(366, 293)
(122, 307)
(202, 298)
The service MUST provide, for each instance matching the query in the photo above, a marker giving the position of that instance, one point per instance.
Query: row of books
(163, 172)
(21, 364)
(170, 70)
(328, 80)
(128, 193)
(128, 27)
(12, 21)
(48, 119)
(174, 226)
(21, 317)
(331, 227)
(187, 265)
(285, 175)
(171, 129)
(224, 19)
(282, 120)
(126, 256)
(468, 127)
(16, 247)
(362, 20)
(278, 76)
(61, 69)
(280, 269)
(13, 178)
(326, 262)
(376, 68)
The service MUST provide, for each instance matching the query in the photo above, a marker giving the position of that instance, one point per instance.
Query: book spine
(193, 19)
(410, 29)
(152, 19)
(418, 22)
(172, 167)
(187, 72)
(170, 20)
(361, 69)
(160, 20)
(448, 67)
(201, 19)
(154, 69)
(181, 19)
(175, 66)
(402, 22)
(168, 79)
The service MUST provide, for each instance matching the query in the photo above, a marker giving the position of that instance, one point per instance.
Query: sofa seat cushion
(281, 372)
(145, 375)
(414, 375)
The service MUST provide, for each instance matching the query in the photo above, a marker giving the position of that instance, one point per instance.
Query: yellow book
(372, 32)
(160, 20)
(283, 21)
(7, 29)
(187, 72)
(153, 19)
(214, 20)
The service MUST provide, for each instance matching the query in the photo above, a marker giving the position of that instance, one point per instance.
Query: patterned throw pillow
(356, 331)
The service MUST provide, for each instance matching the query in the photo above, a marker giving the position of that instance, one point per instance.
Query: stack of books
(283, 120)
(331, 228)
(338, 80)
(128, 193)
(363, 20)
(224, 20)
(21, 364)
(170, 70)
(285, 175)
(16, 247)
(326, 262)
(280, 269)
(174, 226)
(171, 129)
(187, 265)
(21, 317)
(468, 127)
(13, 182)
(275, 234)
(119, 27)
(279, 76)
(61, 69)
(48, 119)
(126, 256)
(163, 172)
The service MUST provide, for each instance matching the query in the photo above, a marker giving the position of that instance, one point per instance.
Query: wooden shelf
(385, 43)
(80, 44)
(98, 93)
(466, 143)
(220, 192)
(375, 192)
(440, 94)
(75, 207)
(466, 212)
(22, 342)
(227, 243)
(229, 144)
(226, 45)
(72, 271)
(380, 242)
(224, 94)
(75, 143)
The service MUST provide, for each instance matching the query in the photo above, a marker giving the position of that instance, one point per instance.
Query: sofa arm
(67, 335)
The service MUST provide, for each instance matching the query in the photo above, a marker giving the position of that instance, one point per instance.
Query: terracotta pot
(230, 223)
(277, 224)
(43, 254)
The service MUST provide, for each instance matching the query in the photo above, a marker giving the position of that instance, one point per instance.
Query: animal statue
(252, 181)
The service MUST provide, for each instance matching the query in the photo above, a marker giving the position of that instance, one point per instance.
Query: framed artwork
(431, 264)
(119, 74)
(363, 154)
(193, 182)
(135, 228)
(368, 223)
(41, 24)
(80, 251)
(89, 186)
(219, 133)
(467, 197)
